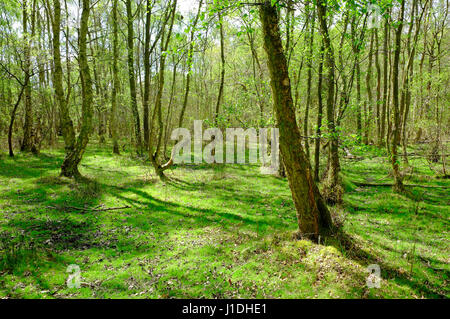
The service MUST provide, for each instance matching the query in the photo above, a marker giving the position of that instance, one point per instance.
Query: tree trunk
(27, 141)
(69, 167)
(146, 97)
(189, 66)
(378, 111)
(398, 184)
(385, 83)
(222, 73)
(356, 52)
(319, 117)
(312, 214)
(13, 117)
(369, 92)
(309, 80)
(333, 188)
(113, 122)
(132, 80)
(154, 153)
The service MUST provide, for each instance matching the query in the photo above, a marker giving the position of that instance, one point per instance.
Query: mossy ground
(213, 231)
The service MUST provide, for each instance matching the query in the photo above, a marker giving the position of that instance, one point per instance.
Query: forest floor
(214, 231)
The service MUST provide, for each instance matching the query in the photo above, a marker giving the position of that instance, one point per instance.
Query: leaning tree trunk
(13, 117)
(69, 167)
(312, 214)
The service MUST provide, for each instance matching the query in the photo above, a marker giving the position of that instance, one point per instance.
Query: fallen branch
(390, 185)
(91, 209)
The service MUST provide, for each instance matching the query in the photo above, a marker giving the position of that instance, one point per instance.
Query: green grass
(214, 231)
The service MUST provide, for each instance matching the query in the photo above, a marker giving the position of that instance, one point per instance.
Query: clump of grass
(15, 250)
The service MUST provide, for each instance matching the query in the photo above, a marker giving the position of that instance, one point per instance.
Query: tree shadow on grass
(201, 216)
(354, 250)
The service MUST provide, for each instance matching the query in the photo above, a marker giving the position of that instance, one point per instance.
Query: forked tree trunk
(154, 151)
(69, 167)
(312, 214)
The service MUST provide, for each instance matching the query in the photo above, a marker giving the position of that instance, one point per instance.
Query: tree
(69, 167)
(189, 65)
(28, 144)
(115, 70)
(398, 184)
(67, 129)
(333, 187)
(312, 214)
(132, 79)
(157, 112)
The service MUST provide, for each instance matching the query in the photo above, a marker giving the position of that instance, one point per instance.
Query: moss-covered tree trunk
(67, 129)
(69, 167)
(312, 214)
